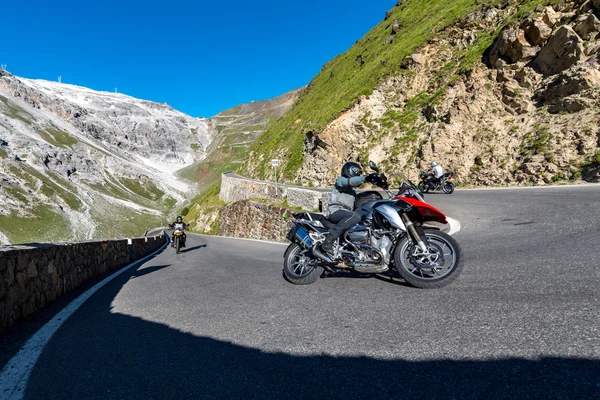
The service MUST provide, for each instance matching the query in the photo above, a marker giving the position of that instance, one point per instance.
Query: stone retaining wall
(236, 188)
(33, 275)
(254, 220)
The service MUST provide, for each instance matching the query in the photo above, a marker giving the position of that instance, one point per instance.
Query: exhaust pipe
(317, 253)
(303, 238)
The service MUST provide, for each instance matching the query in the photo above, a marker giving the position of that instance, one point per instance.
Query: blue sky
(201, 57)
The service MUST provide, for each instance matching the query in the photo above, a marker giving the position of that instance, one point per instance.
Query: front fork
(416, 233)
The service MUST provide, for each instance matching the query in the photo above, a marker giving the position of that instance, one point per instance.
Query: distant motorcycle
(392, 234)
(178, 236)
(443, 183)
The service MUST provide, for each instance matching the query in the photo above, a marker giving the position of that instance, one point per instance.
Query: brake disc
(434, 257)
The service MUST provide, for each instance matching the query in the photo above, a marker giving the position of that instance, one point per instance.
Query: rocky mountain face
(505, 94)
(77, 163)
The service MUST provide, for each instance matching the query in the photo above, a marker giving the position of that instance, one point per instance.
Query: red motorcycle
(394, 233)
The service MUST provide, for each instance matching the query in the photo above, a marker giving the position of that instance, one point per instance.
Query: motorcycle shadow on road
(186, 249)
(390, 277)
(102, 354)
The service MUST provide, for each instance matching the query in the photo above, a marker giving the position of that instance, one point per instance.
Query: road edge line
(15, 374)
(580, 185)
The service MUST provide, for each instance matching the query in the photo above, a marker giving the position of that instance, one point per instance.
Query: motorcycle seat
(327, 223)
(317, 216)
(323, 219)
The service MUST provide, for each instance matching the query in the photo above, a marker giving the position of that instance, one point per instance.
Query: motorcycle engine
(384, 244)
(359, 236)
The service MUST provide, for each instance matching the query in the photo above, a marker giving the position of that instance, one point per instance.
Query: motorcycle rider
(434, 174)
(178, 220)
(341, 202)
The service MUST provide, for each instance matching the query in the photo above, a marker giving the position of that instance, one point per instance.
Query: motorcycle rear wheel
(448, 187)
(298, 267)
(433, 273)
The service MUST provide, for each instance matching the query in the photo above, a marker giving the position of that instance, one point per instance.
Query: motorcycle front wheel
(423, 187)
(448, 187)
(436, 268)
(298, 267)
(177, 244)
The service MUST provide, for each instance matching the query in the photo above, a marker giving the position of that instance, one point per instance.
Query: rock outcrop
(563, 50)
(537, 32)
(511, 46)
(572, 81)
(587, 26)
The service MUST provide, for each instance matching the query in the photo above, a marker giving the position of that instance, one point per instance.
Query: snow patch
(3, 239)
(130, 204)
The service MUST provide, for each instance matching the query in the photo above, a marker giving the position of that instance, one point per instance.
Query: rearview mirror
(373, 166)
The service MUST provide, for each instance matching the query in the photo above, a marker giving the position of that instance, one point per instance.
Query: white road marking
(15, 375)
(454, 226)
(582, 185)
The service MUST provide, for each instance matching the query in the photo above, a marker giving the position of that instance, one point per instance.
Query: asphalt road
(219, 321)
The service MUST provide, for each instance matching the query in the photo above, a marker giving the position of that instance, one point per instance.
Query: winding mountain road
(219, 321)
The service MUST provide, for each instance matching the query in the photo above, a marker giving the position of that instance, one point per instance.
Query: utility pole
(60, 79)
(116, 90)
(3, 66)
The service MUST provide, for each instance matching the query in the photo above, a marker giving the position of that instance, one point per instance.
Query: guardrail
(35, 274)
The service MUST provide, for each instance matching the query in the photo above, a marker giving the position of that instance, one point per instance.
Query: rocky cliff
(77, 163)
(501, 93)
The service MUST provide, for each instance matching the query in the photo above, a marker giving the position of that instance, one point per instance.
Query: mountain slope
(77, 163)
(233, 132)
(433, 82)
(349, 75)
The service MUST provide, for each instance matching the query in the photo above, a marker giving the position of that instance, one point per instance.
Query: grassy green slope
(41, 193)
(224, 155)
(356, 72)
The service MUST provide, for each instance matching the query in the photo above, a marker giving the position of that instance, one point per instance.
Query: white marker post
(275, 163)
